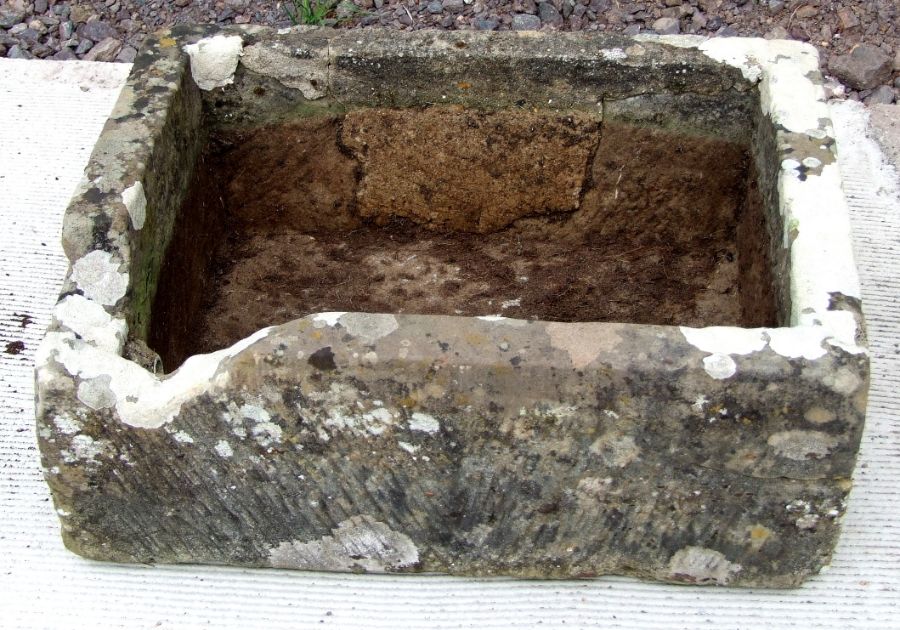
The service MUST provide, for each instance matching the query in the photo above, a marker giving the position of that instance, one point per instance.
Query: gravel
(865, 67)
(66, 29)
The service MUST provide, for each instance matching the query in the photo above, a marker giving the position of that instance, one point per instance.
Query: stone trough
(526, 304)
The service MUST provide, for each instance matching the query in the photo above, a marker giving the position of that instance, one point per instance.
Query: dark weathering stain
(323, 359)
(100, 232)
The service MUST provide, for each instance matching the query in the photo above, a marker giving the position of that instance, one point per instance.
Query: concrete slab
(885, 123)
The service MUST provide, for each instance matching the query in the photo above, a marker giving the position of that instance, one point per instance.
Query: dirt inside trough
(456, 212)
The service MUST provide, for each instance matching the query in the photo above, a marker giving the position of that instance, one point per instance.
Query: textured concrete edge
(885, 126)
(82, 351)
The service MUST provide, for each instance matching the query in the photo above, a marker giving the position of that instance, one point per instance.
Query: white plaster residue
(719, 366)
(424, 422)
(409, 448)
(66, 425)
(91, 322)
(99, 278)
(821, 252)
(812, 162)
(182, 438)
(802, 445)
(223, 449)
(613, 54)
(320, 320)
(369, 327)
(359, 543)
(814, 209)
(725, 339)
(841, 326)
(783, 69)
(136, 203)
(800, 341)
(142, 398)
(702, 566)
(95, 392)
(214, 60)
(745, 58)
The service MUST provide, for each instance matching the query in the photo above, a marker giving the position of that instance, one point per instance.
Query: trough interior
(444, 210)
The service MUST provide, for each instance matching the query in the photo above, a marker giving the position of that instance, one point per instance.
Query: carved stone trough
(540, 305)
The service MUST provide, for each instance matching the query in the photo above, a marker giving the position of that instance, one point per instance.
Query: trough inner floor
(391, 212)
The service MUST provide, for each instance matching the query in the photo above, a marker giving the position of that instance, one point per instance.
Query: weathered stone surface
(882, 95)
(467, 185)
(106, 50)
(865, 67)
(477, 446)
(526, 22)
(667, 26)
(333, 418)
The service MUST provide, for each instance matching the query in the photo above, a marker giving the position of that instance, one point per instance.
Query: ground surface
(111, 30)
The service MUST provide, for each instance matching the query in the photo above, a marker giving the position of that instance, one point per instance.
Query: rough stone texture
(469, 184)
(882, 95)
(863, 68)
(645, 200)
(105, 50)
(477, 446)
(525, 22)
(667, 26)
